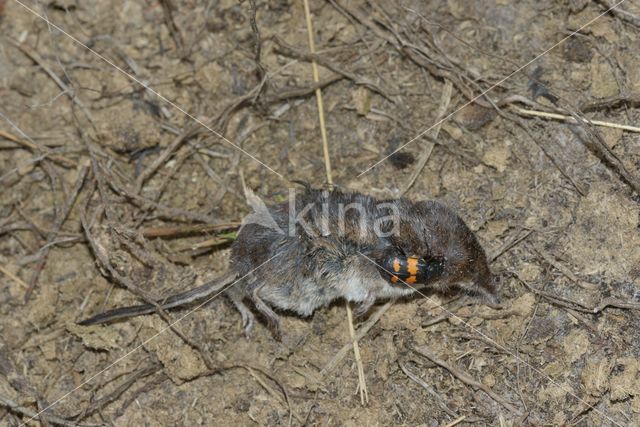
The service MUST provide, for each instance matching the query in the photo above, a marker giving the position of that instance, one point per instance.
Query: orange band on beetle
(394, 279)
(396, 265)
(411, 279)
(412, 265)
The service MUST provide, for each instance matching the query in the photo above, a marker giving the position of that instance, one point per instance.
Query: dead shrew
(322, 246)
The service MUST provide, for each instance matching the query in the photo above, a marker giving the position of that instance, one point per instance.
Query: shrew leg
(272, 318)
(365, 305)
(246, 314)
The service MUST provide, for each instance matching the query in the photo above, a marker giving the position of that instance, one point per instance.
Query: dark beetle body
(410, 270)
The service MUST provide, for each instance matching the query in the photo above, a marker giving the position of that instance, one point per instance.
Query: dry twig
(518, 238)
(620, 13)
(429, 390)
(103, 401)
(577, 306)
(292, 52)
(53, 234)
(179, 231)
(426, 153)
(415, 53)
(613, 302)
(362, 331)
(557, 163)
(570, 119)
(632, 100)
(554, 299)
(38, 147)
(364, 396)
(99, 252)
(467, 379)
(13, 277)
(257, 40)
(456, 421)
(301, 92)
(447, 313)
(251, 369)
(594, 141)
(15, 379)
(37, 59)
(167, 9)
(563, 269)
(15, 407)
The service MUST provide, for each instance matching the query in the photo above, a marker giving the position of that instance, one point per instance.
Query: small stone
(575, 345)
(497, 157)
(603, 82)
(577, 50)
(474, 116)
(362, 99)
